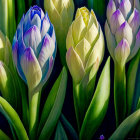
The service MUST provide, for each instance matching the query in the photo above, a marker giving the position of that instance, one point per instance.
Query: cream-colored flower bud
(85, 41)
(61, 15)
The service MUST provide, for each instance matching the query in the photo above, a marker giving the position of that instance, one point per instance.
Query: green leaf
(60, 133)
(11, 19)
(133, 85)
(4, 16)
(53, 106)
(138, 105)
(98, 106)
(126, 126)
(68, 127)
(3, 136)
(13, 118)
(99, 7)
(20, 9)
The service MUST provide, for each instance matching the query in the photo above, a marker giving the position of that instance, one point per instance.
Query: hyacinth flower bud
(7, 85)
(34, 50)
(85, 51)
(85, 45)
(5, 50)
(61, 15)
(122, 30)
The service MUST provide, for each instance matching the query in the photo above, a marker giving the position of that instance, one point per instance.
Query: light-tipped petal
(125, 8)
(75, 65)
(111, 8)
(32, 38)
(69, 39)
(31, 68)
(36, 21)
(111, 42)
(136, 47)
(47, 49)
(78, 29)
(134, 21)
(96, 52)
(45, 26)
(124, 31)
(122, 52)
(82, 49)
(116, 20)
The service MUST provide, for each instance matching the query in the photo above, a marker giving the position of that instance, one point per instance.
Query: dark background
(108, 125)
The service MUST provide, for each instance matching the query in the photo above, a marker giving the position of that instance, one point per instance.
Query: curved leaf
(98, 106)
(68, 127)
(13, 118)
(132, 83)
(60, 133)
(3, 136)
(53, 106)
(126, 126)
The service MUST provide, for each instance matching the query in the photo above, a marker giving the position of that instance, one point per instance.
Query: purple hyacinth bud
(123, 22)
(34, 48)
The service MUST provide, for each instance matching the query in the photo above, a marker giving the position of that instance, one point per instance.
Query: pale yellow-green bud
(61, 15)
(5, 50)
(7, 86)
(85, 45)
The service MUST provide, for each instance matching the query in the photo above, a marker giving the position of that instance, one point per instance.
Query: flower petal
(111, 42)
(75, 65)
(36, 21)
(125, 8)
(37, 10)
(122, 52)
(136, 47)
(69, 39)
(96, 52)
(32, 38)
(124, 31)
(116, 20)
(111, 8)
(45, 25)
(134, 21)
(82, 49)
(31, 68)
(46, 51)
(78, 29)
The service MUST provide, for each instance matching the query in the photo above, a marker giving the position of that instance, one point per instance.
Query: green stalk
(82, 95)
(34, 104)
(13, 118)
(20, 9)
(78, 105)
(120, 93)
(11, 19)
(25, 109)
(4, 16)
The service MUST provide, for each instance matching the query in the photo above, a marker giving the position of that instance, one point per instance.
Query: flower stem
(120, 93)
(34, 103)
